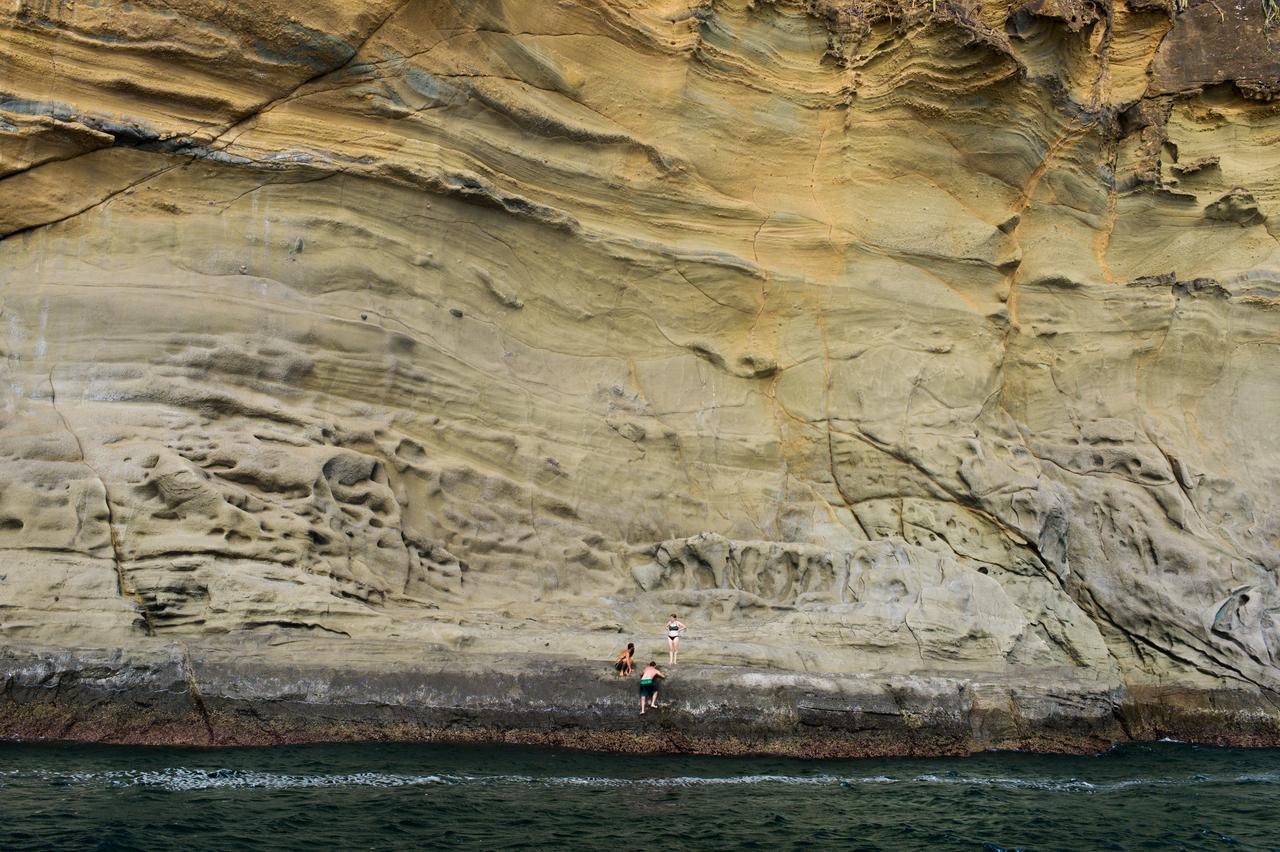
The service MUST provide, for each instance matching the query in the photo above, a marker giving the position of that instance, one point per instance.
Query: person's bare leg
(653, 702)
(641, 705)
(671, 650)
(675, 650)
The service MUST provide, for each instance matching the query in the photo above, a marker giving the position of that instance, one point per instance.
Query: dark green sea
(1156, 796)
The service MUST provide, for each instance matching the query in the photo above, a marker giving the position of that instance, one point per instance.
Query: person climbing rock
(675, 629)
(649, 685)
(625, 663)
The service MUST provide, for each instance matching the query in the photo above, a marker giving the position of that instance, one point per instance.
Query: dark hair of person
(631, 646)
(652, 663)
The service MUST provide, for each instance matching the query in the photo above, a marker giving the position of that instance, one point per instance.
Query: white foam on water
(182, 778)
(699, 780)
(179, 779)
(1065, 785)
(1079, 785)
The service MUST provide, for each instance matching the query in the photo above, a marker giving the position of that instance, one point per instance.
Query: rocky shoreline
(176, 695)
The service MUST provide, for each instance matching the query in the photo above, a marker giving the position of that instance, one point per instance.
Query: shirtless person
(625, 663)
(649, 685)
(675, 629)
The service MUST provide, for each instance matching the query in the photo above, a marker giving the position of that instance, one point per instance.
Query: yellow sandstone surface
(870, 337)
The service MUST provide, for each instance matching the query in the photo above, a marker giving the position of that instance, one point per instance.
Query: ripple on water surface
(1155, 796)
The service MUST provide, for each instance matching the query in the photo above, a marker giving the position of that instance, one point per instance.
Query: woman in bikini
(625, 663)
(675, 629)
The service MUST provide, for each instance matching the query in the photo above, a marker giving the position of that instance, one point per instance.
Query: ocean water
(386, 796)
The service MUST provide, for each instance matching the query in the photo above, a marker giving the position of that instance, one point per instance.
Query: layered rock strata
(927, 350)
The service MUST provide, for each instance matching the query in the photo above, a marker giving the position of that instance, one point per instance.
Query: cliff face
(899, 340)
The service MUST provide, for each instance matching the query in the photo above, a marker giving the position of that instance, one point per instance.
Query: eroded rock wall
(893, 338)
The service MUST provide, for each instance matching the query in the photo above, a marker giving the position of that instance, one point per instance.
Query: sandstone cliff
(932, 345)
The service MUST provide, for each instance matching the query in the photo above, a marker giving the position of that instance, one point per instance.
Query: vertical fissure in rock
(123, 586)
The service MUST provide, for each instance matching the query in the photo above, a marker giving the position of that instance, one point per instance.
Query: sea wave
(179, 779)
(182, 778)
